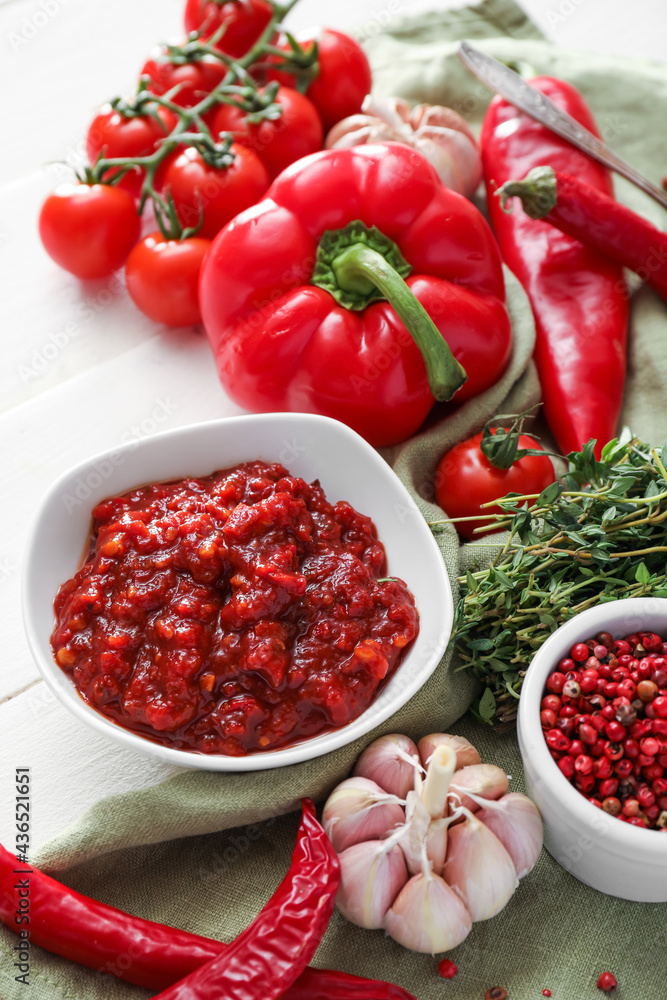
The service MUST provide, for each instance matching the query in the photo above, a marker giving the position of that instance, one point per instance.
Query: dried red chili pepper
(266, 958)
(588, 215)
(141, 952)
(579, 297)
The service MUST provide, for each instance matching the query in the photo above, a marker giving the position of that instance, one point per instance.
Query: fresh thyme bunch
(598, 535)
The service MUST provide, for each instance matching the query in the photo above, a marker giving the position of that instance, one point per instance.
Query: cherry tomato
(280, 142)
(244, 22)
(89, 229)
(344, 78)
(163, 276)
(197, 78)
(465, 479)
(114, 135)
(222, 193)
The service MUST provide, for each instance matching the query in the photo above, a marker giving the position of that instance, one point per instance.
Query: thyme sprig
(597, 535)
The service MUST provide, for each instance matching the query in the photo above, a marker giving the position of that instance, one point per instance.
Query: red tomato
(114, 135)
(89, 229)
(465, 479)
(197, 78)
(222, 193)
(344, 78)
(280, 142)
(162, 278)
(244, 22)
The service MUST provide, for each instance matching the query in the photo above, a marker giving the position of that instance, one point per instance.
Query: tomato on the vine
(89, 229)
(279, 141)
(114, 134)
(162, 278)
(244, 22)
(219, 193)
(197, 78)
(344, 76)
(465, 479)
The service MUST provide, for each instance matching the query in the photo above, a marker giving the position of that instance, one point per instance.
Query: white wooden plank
(71, 766)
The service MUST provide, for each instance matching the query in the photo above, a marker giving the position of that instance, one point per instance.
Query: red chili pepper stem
(358, 265)
(537, 191)
(593, 218)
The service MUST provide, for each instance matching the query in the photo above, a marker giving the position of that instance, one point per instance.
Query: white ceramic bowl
(598, 849)
(310, 446)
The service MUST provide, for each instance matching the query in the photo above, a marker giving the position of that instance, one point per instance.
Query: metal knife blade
(504, 81)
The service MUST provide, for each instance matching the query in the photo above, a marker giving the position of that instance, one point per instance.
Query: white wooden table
(82, 369)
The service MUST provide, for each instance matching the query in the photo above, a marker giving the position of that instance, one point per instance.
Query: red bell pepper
(579, 297)
(305, 304)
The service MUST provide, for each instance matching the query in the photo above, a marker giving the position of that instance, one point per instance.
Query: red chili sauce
(235, 613)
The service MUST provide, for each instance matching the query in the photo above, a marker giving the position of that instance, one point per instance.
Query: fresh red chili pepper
(141, 952)
(304, 300)
(597, 220)
(273, 951)
(579, 297)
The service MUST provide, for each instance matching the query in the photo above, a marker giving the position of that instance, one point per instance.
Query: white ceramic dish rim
(302, 751)
(619, 838)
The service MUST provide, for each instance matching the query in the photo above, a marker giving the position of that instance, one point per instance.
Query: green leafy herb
(599, 535)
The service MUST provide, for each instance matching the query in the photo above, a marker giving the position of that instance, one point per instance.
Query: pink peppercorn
(447, 969)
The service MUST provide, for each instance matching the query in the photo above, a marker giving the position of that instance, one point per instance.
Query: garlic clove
(435, 115)
(428, 916)
(393, 110)
(358, 809)
(479, 869)
(358, 130)
(392, 762)
(466, 753)
(516, 822)
(371, 877)
(484, 780)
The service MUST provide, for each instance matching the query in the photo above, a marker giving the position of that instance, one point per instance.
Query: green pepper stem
(537, 192)
(358, 269)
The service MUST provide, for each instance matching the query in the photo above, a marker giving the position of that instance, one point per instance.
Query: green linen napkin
(204, 851)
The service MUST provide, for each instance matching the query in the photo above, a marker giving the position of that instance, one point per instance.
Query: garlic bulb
(428, 846)
(392, 762)
(440, 134)
(359, 810)
(478, 868)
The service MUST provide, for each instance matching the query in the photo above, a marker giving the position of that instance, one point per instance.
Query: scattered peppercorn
(447, 969)
(546, 993)
(496, 993)
(607, 982)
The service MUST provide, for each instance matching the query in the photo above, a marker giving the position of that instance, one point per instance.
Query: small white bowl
(310, 446)
(600, 850)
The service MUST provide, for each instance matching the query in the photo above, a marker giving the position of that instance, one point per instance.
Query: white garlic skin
(517, 824)
(384, 762)
(479, 869)
(370, 880)
(427, 916)
(356, 811)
